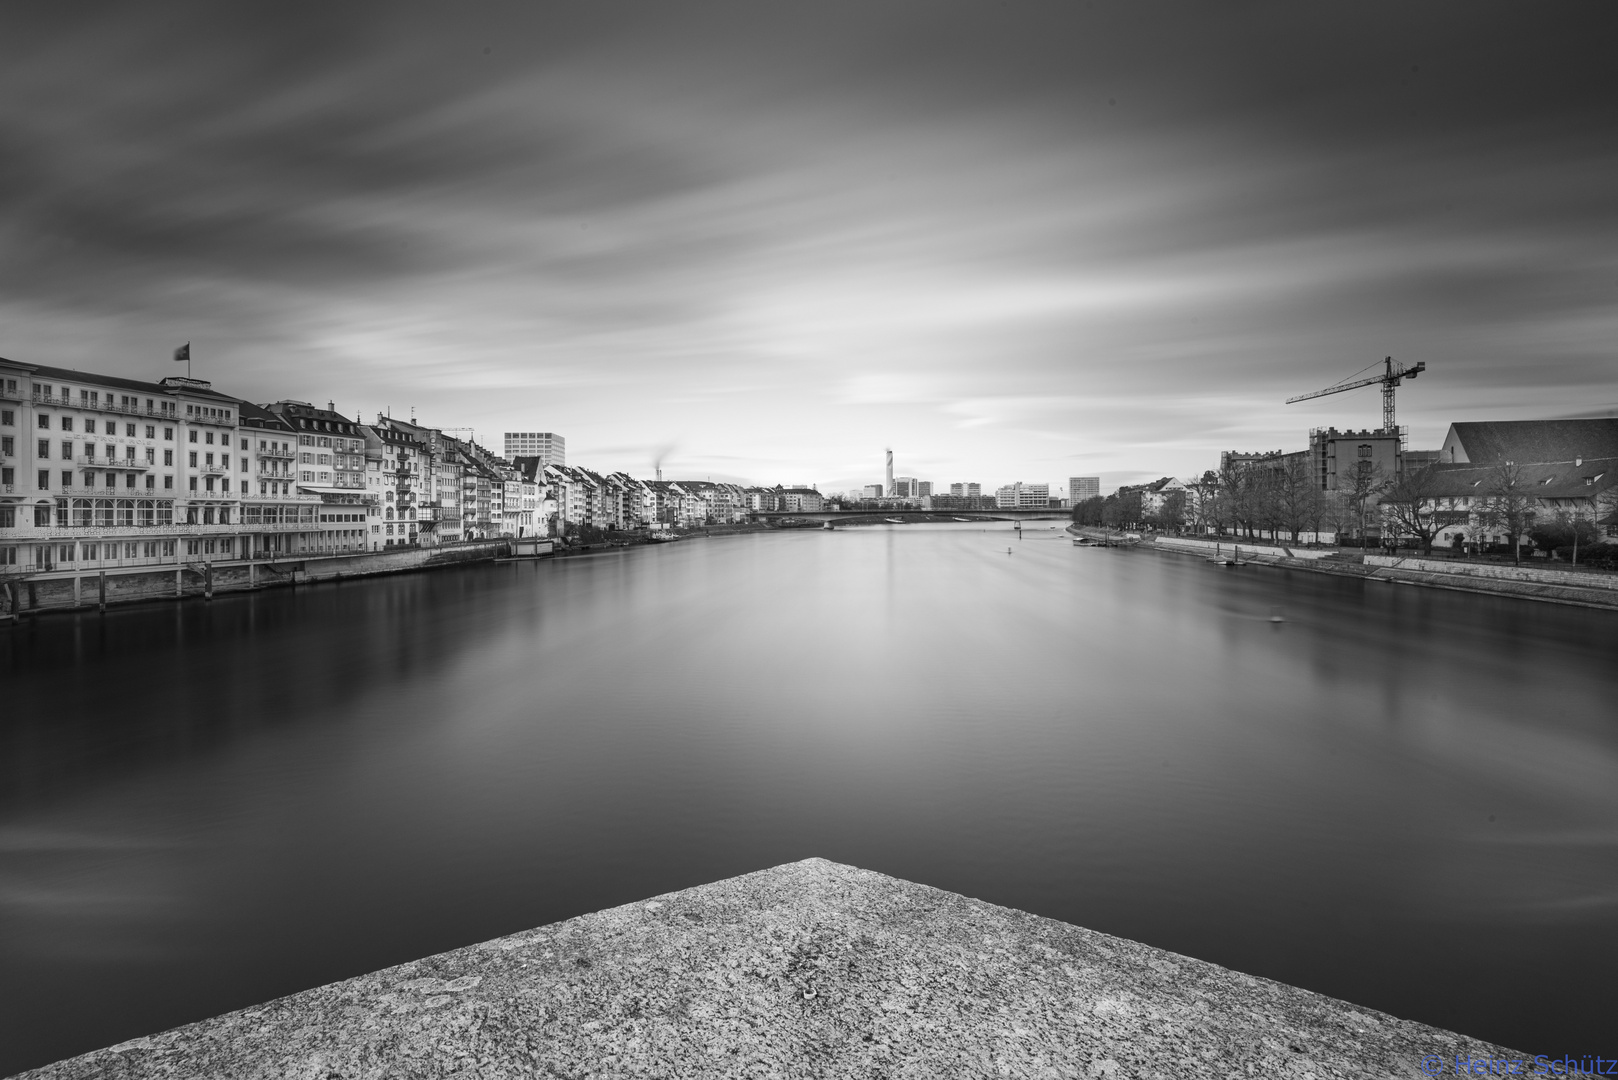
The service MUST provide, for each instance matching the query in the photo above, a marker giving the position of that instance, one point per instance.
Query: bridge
(854, 517)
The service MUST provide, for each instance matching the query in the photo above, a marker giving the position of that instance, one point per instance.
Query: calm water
(1401, 797)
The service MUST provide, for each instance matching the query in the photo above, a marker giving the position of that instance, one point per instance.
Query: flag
(183, 352)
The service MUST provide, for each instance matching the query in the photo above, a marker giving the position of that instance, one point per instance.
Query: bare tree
(1204, 501)
(1171, 515)
(1232, 503)
(1296, 498)
(1338, 513)
(1509, 506)
(1361, 486)
(1411, 503)
(1264, 495)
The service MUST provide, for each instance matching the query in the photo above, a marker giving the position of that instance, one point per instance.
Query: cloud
(970, 232)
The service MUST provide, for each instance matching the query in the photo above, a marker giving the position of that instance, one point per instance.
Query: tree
(1361, 486)
(1565, 530)
(1509, 506)
(1338, 513)
(1411, 503)
(1204, 503)
(1296, 498)
(1171, 515)
(1089, 511)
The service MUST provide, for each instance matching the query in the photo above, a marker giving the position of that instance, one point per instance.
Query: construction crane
(1389, 379)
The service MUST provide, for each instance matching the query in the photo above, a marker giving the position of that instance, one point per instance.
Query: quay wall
(1527, 583)
(1499, 572)
(69, 590)
(811, 969)
(1228, 547)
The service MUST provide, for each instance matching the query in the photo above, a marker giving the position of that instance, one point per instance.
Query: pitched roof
(1539, 480)
(1525, 441)
(56, 374)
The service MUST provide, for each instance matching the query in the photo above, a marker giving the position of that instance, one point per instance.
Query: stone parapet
(812, 969)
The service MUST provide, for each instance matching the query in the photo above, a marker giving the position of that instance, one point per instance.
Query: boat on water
(895, 521)
(1086, 541)
(826, 525)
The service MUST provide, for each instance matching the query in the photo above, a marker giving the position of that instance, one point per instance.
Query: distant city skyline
(755, 243)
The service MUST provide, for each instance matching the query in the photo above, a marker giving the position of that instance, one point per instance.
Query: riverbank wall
(78, 589)
(811, 969)
(1583, 589)
(1228, 549)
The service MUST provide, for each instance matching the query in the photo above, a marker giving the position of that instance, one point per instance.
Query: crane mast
(1390, 378)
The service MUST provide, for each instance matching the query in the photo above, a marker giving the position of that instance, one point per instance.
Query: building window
(191, 436)
(168, 434)
(151, 431)
(67, 424)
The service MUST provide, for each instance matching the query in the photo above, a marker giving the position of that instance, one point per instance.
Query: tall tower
(888, 488)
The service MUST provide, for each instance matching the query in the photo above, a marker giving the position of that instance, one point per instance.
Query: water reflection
(1398, 796)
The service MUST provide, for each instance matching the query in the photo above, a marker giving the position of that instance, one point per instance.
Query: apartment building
(1080, 488)
(102, 472)
(403, 475)
(331, 465)
(549, 447)
(1020, 496)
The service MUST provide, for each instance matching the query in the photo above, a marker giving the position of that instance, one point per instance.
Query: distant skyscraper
(872, 491)
(549, 447)
(905, 487)
(1080, 488)
(974, 490)
(889, 488)
(924, 488)
(957, 489)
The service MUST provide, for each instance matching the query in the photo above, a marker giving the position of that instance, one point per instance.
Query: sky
(765, 241)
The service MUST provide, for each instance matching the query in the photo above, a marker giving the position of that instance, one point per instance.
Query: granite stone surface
(806, 970)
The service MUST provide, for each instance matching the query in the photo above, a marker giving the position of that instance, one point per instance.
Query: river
(1403, 797)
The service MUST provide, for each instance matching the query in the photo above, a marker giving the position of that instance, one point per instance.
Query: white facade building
(548, 446)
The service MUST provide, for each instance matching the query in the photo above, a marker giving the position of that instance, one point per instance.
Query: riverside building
(100, 472)
(1020, 496)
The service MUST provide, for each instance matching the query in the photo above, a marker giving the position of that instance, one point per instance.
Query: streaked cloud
(1000, 239)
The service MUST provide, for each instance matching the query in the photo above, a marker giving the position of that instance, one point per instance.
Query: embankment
(1585, 589)
(92, 587)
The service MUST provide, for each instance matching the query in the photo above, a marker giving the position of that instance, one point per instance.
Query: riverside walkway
(809, 969)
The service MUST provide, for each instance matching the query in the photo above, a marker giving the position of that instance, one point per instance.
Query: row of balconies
(66, 402)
